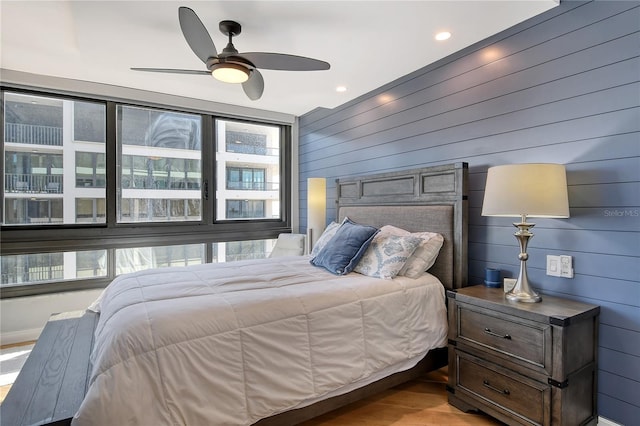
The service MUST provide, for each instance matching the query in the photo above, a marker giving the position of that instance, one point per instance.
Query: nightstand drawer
(527, 341)
(505, 391)
(528, 364)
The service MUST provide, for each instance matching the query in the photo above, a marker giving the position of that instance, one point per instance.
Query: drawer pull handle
(502, 336)
(500, 391)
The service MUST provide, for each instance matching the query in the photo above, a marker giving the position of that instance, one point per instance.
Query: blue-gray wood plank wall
(562, 87)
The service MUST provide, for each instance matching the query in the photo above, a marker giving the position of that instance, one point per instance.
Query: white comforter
(231, 343)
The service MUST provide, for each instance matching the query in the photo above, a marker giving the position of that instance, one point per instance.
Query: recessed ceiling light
(444, 35)
(341, 89)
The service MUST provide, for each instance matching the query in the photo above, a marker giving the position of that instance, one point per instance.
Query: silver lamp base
(522, 291)
(523, 296)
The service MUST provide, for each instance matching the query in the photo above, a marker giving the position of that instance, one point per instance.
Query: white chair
(288, 245)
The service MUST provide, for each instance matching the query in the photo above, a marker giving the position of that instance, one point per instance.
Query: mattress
(232, 343)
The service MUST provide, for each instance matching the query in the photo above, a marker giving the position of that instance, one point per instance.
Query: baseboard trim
(606, 422)
(20, 336)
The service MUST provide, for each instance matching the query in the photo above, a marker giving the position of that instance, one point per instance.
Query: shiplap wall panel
(629, 389)
(586, 264)
(401, 148)
(619, 243)
(528, 36)
(589, 286)
(477, 104)
(622, 409)
(612, 151)
(562, 87)
(620, 337)
(615, 194)
(537, 68)
(618, 362)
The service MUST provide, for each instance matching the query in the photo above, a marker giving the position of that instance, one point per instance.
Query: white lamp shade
(316, 206)
(534, 190)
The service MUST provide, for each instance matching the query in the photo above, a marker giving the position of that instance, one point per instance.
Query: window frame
(110, 235)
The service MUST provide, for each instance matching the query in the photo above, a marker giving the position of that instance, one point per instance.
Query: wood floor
(5, 389)
(417, 403)
(3, 392)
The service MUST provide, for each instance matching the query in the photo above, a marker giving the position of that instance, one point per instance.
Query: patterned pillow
(386, 255)
(343, 252)
(424, 256)
(327, 234)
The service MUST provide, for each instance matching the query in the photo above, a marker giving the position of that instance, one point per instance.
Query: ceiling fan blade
(254, 86)
(196, 34)
(173, 71)
(283, 62)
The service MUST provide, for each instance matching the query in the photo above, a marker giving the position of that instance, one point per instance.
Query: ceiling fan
(230, 66)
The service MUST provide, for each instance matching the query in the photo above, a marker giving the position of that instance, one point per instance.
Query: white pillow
(386, 255)
(424, 256)
(288, 245)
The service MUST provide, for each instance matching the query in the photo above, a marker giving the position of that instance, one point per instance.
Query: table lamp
(525, 190)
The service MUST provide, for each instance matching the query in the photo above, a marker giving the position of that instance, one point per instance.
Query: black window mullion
(111, 165)
(208, 170)
(285, 175)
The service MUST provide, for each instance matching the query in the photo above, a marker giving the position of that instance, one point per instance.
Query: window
(248, 164)
(52, 147)
(91, 170)
(45, 267)
(245, 209)
(160, 173)
(95, 188)
(33, 172)
(160, 163)
(33, 120)
(140, 258)
(232, 251)
(246, 178)
(88, 122)
(90, 210)
(35, 210)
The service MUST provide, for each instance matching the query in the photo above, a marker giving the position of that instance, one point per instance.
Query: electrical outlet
(566, 266)
(554, 267)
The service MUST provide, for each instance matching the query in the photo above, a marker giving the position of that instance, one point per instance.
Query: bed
(279, 341)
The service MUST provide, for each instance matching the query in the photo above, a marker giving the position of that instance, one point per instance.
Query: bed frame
(428, 199)
(54, 379)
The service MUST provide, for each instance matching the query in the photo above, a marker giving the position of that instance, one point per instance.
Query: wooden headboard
(428, 199)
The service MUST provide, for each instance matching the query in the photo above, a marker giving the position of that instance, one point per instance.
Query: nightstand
(523, 363)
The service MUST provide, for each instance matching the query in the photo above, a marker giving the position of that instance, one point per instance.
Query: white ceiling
(367, 43)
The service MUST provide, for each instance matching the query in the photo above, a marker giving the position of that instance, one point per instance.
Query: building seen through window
(160, 163)
(54, 156)
(56, 173)
(248, 171)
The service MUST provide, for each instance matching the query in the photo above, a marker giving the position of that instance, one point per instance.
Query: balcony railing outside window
(254, 186)
(33, 134)
(30, 183)
(250, 149)
(45, 267)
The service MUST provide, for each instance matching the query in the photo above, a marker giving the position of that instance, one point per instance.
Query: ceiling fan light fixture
(230, 73)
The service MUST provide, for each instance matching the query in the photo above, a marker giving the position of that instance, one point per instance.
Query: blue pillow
(343, 252)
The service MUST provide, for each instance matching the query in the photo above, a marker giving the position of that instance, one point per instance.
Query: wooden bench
(53, 381)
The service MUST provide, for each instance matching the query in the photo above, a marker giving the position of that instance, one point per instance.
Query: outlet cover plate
(554, 267)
